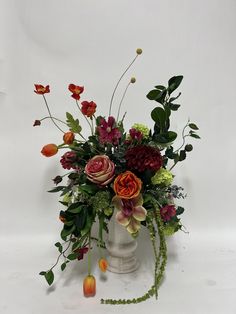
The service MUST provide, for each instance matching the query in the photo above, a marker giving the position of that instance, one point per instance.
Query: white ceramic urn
(121, 248)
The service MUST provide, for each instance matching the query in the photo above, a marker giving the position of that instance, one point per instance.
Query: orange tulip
(68, 138)
(103, 264)
(49, 150)
(89, 286)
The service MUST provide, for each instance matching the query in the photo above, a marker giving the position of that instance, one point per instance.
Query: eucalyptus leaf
(193, 126)
(72, 256)
(63, 266)
(174, 83)
(49, 276)
(195, 135)
(57, 189)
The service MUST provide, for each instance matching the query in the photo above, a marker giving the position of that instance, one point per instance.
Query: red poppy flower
(40, 89)
(88, 108)
(76, 91)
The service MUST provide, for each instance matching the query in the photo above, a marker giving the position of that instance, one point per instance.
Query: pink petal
(122, 219)
(139, 213)
(133, 226)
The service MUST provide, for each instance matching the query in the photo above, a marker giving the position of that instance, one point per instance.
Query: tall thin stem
(53, 119)
(122, 98)
(89, 255)
(117, 84)
(51, 115)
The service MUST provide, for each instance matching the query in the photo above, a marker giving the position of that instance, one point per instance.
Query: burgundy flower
(167, 212)
(108, 132)
(81, 252)
(69, 160)
(88, 108)
(142, 157)
(135, 134)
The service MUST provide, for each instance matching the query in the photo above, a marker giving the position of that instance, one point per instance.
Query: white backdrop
(89, 43)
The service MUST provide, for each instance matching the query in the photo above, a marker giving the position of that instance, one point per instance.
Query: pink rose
(100, 170)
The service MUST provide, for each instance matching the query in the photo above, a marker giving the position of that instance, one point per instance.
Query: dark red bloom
(81, 252)
(143, 157)
(167, 212)
(108, 132)
(88, 108)
(37, 122)
(76, 91)
(69, 160)
(135, 134)
(40, 89)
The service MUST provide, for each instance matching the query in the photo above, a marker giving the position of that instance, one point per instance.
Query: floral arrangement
(130, 171)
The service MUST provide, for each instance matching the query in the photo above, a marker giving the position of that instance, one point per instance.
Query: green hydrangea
(142, 128)
(101, 201)
(169, 230)
(162, 176)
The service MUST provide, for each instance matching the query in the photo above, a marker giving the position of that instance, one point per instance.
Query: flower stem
(84, 116)
(51, 114)
(89, 255)
(117, 84)
(123, 96)
(53, 119)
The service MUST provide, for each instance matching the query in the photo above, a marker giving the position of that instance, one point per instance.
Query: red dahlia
(69, 160)
(142, 157)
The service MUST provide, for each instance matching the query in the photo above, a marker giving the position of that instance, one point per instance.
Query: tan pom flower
(139, 51)
(133, 80)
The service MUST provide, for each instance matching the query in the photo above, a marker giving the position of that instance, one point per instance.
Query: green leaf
(161, 87)
(42, 273)
(49, 276)
(194, 135)
(166, 137)
(174, 83)
(174, 107)
(59, 246)
(75, 208)
(57, 189)
(66, 232)
(72, 256)
(174, 98)
(159, 116)
(72, 123)
(88, 188)
(193, 126)
(182, 155)
(179, 210)
(153, 94)
(63, 266)
(76, 246)
(88, 225)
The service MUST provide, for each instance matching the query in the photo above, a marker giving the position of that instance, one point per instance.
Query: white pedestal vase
(121, 247)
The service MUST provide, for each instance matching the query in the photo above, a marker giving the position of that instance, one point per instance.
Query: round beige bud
(139, 51)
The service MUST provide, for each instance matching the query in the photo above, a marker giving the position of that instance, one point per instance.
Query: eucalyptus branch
(183, 137)
(62, 253)
(51, 117)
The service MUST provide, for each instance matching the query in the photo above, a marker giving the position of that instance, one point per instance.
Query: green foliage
(174, 83)
(49, 276)
(73, 124)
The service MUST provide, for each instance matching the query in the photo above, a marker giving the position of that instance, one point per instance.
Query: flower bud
(102, 263)
(37, 123)
(133, 80)
(139, 51)
(188, 147)
(68, 138)
(49, 150)
(89, 286)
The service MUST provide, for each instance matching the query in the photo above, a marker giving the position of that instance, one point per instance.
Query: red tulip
(40, 89)
(49, 150)
(89, 286)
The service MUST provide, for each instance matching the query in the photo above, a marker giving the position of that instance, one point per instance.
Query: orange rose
(89, 286)
(68, 138)
(127, 185)
(49, 150)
